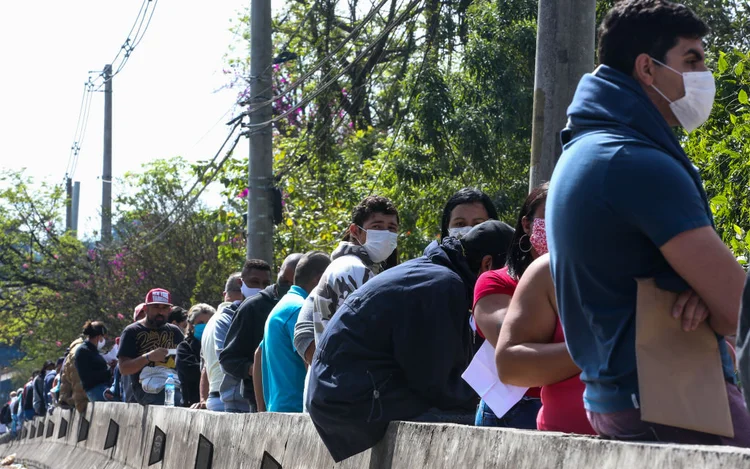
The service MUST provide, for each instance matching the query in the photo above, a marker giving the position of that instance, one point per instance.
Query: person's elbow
(724, 324)
(507, 371)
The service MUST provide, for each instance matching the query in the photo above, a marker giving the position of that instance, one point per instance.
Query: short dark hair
(177, 314)
(93, 329)
(48, 365)
(519, 258)
(372, 204)
(311, 266)
(255, 264)
(653, 27)
(467, 195)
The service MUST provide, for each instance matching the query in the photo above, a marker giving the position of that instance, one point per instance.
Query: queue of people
(358, 339)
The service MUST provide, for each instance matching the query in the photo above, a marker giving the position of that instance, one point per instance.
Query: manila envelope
(680, 376)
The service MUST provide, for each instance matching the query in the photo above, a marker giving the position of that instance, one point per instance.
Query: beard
(156, 321)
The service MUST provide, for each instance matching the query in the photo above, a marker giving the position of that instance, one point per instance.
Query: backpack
(5, 415)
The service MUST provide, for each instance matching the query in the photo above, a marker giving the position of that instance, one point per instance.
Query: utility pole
(260, 167)
(68, 204)
(106, 234)
(74, 211)
(564, 53)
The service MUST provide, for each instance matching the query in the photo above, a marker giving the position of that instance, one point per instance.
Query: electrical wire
(351, 36)
(184, 209)
(179, 205)
(281, 174)
(80, 132)
(321, 88)
(400, 123)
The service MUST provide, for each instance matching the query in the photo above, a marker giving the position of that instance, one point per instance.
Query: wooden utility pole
(564, 53)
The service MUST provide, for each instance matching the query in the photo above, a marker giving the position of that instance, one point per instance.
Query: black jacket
(188, 364)
(396, 348)
(244, 336)
(743, 342)
(91, 366)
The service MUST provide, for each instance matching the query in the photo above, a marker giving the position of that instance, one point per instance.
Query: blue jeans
(214, 404)
(522, 415)
(96, 394)
(28, 414)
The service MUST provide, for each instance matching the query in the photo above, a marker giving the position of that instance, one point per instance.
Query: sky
(165, 100)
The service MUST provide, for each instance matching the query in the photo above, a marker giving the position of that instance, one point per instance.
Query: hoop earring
(520, 241)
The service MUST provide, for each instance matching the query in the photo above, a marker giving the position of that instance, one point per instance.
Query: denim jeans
(96, 394)
(215, 404)
(522, 415)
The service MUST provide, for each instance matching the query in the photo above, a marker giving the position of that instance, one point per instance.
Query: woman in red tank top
(531, 352)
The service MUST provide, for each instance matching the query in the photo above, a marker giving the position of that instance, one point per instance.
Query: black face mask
(283, 287)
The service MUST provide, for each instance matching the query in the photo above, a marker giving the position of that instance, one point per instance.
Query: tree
(440, 98)
(720, 147)
(42, 271)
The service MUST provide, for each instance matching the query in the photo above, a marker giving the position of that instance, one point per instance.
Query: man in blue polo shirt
(284, 371)
(625, 203)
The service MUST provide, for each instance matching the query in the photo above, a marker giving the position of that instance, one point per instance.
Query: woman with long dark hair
(492, 295)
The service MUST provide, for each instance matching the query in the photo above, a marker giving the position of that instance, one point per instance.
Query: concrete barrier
(120, 436)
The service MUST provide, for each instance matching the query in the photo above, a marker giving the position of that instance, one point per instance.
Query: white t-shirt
(210, 358)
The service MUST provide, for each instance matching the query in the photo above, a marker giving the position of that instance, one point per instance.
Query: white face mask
(248, 292)
(459, 233)
(101, 343)
(693, 109)
(380, 244)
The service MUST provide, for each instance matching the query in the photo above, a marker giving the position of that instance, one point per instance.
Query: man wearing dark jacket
(246, 330)
(397, 347)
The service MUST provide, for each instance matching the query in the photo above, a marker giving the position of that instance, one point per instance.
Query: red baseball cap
(138, 312)
(158, 296)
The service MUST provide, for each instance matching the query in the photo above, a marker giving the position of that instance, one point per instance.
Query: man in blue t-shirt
(283, 370)
(626, 203)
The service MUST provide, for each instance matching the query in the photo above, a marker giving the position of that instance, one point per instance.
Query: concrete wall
(241, 440)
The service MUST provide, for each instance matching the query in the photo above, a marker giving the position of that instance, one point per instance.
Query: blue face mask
(198, 332)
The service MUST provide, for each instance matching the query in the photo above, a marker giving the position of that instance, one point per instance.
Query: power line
(400, 123)
(351, 36)
(184, 209)
(321, 88)
(80, 132)
(179, 204)
(134, 38)
(285, 171)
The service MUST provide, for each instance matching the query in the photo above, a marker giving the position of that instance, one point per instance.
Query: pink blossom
(58, 343)
(25, 266)
(55, 256)
(31, 332)
(120, 316)
(243, 194)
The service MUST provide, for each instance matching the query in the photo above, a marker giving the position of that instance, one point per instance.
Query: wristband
(148, 359)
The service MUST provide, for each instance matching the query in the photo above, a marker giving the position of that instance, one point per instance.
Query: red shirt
(497, 282)
(562, 403)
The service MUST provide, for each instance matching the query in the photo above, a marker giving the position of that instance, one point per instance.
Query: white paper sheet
(482, 377)
(112, 354)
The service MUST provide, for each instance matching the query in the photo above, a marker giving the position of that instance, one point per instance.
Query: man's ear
(643, 70)
(486, 263)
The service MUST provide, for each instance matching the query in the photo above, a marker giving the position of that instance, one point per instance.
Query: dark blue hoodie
(394, 349)
(623, 187)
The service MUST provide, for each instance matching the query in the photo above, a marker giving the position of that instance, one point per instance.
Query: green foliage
(442, 102)
(51, 283)
(720, 149)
